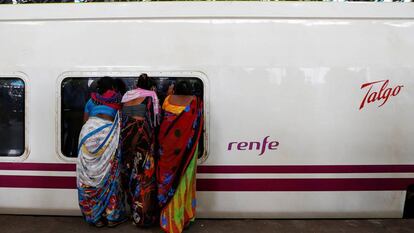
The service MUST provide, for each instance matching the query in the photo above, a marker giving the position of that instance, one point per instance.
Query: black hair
(145, 82)
(104, 84)
(198, 89)
(183, 87)
(120, 86)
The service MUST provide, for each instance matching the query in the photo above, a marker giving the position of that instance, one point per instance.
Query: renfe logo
(260, 146)
(383, 94)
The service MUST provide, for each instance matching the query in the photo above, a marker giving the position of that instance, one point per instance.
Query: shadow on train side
(409, 203)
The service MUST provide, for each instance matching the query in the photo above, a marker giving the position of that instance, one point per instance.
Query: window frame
(134, 73)
(26, 151)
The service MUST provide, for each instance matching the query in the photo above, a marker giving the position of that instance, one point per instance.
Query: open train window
(75, 93)
(12, 117)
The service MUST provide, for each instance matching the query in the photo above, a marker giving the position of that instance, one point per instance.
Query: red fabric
(110, 98)
(178, 139)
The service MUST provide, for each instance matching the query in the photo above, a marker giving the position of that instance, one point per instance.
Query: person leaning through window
(140, 112)
(178, 139)
(98, 166)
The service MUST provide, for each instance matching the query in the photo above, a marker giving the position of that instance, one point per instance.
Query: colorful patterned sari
(176, 171)
(98, 171)
(138, 173)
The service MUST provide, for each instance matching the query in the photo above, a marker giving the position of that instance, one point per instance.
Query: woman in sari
(140, 111)
(99, 159)
(178, 138)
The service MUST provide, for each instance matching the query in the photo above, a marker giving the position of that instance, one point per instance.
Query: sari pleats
(139, 179)
(180, 210)
(176, 170)
(98, 172)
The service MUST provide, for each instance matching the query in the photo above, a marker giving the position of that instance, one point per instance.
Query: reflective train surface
(309, 107)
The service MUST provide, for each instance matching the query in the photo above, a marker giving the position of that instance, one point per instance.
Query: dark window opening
(12, 125)
(75, 92)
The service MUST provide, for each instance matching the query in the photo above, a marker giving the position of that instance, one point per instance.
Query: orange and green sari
(178, 138)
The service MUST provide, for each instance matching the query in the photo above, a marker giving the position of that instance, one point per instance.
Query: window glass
(12, 135)
(75, 93)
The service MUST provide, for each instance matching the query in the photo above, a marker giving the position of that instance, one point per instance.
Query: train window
(75, 93)
(12, 119)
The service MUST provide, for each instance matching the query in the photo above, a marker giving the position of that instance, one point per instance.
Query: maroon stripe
(357, 184)
(229, 169)
(308, 169)
(53, 182)
(352, 184)
(38, 166)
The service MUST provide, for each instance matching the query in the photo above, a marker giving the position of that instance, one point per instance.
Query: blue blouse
(93, 109)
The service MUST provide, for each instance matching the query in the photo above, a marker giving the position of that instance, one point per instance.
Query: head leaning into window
(183, 87)
(145, 82)
(105, 84)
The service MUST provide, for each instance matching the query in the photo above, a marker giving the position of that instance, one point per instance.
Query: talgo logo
(383, 94)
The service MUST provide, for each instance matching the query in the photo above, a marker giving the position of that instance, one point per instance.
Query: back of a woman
(98, 165)
(178, 138)
(140, 117)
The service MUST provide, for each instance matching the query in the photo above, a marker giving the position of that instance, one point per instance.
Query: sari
(178, 138)
(100, 196)
(138, 173)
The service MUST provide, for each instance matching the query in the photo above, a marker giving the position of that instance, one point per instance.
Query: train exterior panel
(309, 106)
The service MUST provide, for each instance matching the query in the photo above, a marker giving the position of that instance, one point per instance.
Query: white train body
(291, 129)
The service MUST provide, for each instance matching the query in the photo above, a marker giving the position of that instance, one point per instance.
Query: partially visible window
(75, 92)
(12, 105)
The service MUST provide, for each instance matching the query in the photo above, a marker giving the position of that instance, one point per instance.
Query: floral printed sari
(98, 171)
(176, 171)
(138, 173)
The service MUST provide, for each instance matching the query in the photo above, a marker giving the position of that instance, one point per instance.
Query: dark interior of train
(12, 137)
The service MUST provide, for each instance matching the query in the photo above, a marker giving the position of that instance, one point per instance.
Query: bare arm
(85, 117)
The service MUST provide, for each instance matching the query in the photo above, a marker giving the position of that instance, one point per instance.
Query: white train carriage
(309, 107)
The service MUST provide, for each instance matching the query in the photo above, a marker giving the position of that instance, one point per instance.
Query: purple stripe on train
(233, 185)
(233, 169)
